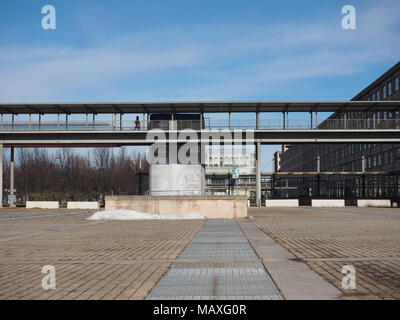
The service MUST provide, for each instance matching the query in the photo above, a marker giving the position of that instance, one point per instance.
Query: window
(378, 95)
(384, 92)
(396, 84)
(390, 88)
(373, 97)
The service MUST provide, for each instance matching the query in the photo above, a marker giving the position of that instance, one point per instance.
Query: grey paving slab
(228, 279)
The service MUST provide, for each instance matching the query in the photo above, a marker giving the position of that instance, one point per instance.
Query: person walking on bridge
(137, 123)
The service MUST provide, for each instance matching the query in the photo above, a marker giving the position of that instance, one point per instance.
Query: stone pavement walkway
(219, 263)
(326, 239)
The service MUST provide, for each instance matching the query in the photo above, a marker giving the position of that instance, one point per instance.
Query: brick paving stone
(327, 239)
(111, 260)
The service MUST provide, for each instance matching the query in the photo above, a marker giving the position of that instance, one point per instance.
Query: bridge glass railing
(206, 124)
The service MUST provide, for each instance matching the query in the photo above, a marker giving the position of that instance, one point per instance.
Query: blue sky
(194, 50)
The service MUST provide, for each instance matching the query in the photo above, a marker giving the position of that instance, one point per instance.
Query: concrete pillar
(1, 175)
(12, 205)
(345, 120)
(258, 174)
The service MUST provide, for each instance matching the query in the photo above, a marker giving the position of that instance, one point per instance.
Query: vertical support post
(12, 204)
(287, 120)
(318, 164)
(284, 120)
(40, 120)
(120, 122)
(30, 120)
(257, 120)
(363, 166)
(229, 119)
(316, 119)
(86, 120)
(1, 175)
(374, 120)
(258, 174)
(12, 121)
(143, 120)
(1, 120)
(66, 121)
(345, 120)
(311, 121)
(58, 120)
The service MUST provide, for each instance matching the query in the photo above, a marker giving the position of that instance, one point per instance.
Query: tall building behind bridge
(349, 157)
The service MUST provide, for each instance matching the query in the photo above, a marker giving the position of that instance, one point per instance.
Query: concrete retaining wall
(282, 203)
(373, 203)
(83, 205)
(213, 207)
(327, 203)
(42, 204)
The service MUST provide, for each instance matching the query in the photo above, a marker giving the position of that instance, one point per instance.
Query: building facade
(219, 162)
(353, 158)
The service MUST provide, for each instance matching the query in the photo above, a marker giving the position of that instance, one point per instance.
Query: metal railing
(206, 124)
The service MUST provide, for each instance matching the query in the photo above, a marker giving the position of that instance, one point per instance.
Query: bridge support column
(12, 204)
(1, 175)
(258, 174)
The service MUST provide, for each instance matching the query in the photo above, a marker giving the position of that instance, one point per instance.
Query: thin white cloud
(202, 63)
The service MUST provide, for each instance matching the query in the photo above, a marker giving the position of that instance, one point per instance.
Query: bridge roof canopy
(197, 107)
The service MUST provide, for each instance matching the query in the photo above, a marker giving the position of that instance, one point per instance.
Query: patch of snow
(123, 214)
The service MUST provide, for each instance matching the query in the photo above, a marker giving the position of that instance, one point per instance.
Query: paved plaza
(328, 238)
(278, 253)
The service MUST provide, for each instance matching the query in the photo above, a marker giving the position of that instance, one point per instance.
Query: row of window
(373, 161)
(386, 91)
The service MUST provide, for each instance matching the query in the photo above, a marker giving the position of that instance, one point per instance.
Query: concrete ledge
(213, 207)
(83, 205)
(42, 204)
(327, 203)
(282, 203)
(373, 203)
